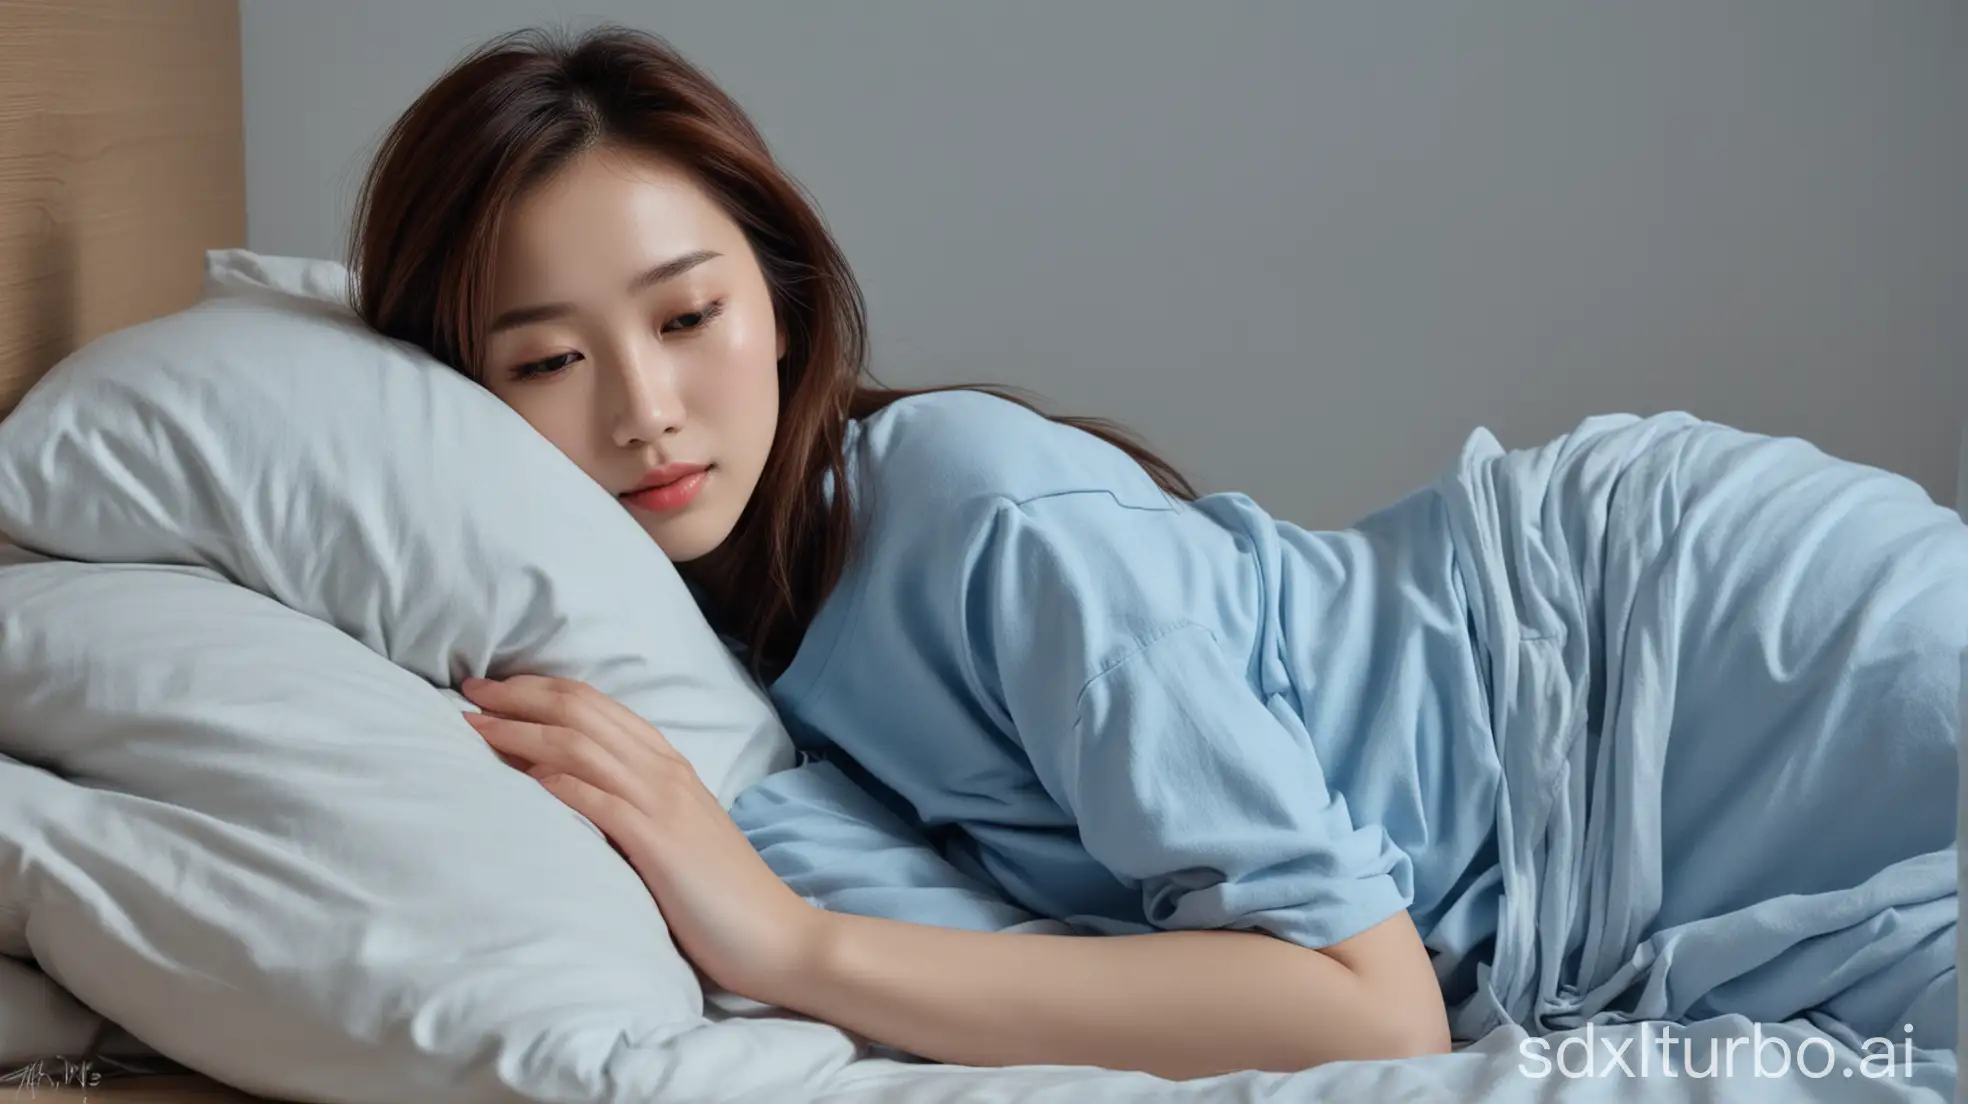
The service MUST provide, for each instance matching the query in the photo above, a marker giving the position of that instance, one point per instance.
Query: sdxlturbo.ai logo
(1657, 1052)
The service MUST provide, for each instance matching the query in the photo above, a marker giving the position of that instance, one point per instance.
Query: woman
(1655, 720)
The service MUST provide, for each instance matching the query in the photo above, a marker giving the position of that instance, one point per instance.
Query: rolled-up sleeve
(1139, 721)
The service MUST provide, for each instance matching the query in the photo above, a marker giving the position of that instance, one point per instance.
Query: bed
(121, 162)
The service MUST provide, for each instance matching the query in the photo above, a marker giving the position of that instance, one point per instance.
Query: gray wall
(1305, 247)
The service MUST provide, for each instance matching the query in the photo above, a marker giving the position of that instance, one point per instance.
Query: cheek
(762, 393)
(741, 395)
(762, 400)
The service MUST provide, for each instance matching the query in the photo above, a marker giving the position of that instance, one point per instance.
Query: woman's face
(632, 327)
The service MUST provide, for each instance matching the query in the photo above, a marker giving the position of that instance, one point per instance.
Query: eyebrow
(541, 312)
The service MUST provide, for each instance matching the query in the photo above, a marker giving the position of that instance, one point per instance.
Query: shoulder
(951, 447)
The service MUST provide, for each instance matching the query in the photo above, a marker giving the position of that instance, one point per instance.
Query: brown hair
(515, 112)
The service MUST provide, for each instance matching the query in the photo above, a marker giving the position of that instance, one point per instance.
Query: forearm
(1175, 1004)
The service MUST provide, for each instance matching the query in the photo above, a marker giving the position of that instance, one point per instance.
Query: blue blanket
(1724, 672)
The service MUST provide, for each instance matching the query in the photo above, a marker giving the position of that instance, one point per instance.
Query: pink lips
(670, 487)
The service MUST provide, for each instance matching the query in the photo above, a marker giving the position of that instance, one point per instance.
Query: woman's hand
(728, 912)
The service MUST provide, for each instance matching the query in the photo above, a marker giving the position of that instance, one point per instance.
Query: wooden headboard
(122, 160)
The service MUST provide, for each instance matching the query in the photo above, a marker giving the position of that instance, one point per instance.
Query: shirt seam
(1144, 642)
(1106, 492)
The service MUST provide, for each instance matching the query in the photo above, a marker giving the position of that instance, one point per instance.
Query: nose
(647, 402)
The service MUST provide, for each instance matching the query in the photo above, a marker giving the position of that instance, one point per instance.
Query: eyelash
(550, 365)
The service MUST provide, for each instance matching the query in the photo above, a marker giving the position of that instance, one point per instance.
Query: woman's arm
(1175, 1004)
(1093, 627)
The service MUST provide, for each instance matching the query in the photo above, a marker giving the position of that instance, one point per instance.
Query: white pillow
(268, 434)
(289, 863)
(279, 859)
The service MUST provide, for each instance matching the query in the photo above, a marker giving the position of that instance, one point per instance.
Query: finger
(629, 719)
(582, 699)
(477, 722)
(556, 704)
(544, 701)
(572, 704)
(549, 748)
(630, 738)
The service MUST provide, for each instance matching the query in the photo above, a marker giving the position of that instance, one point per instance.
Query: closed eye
(547, 367)
(694, 320)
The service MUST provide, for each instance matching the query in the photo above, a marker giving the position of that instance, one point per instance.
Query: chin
(685, 543)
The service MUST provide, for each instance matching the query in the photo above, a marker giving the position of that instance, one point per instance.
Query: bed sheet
(1507, 1067)
(775, 1060)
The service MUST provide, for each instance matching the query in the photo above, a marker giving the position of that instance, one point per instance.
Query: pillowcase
(281, 860)
(242, 786)
(268, 434)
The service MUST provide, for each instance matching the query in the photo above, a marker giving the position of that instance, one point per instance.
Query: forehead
(607, 216)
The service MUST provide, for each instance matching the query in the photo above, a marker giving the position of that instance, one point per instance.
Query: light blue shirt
(1523, 703)
(1044, 690)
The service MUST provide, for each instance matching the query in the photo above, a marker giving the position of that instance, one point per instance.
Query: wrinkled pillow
(253, 545)
(267, 434)
(282, 860)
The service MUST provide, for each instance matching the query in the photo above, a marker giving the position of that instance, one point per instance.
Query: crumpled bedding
(1725, 670)
(1714, 1061)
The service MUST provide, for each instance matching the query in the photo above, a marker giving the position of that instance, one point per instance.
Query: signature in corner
(53, 1073)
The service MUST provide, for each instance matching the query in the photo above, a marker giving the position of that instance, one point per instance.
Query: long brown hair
(519, 109)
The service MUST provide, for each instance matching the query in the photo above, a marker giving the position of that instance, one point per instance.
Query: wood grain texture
(121, 161)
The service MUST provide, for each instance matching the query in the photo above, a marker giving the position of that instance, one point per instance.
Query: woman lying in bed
(1657, 720)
